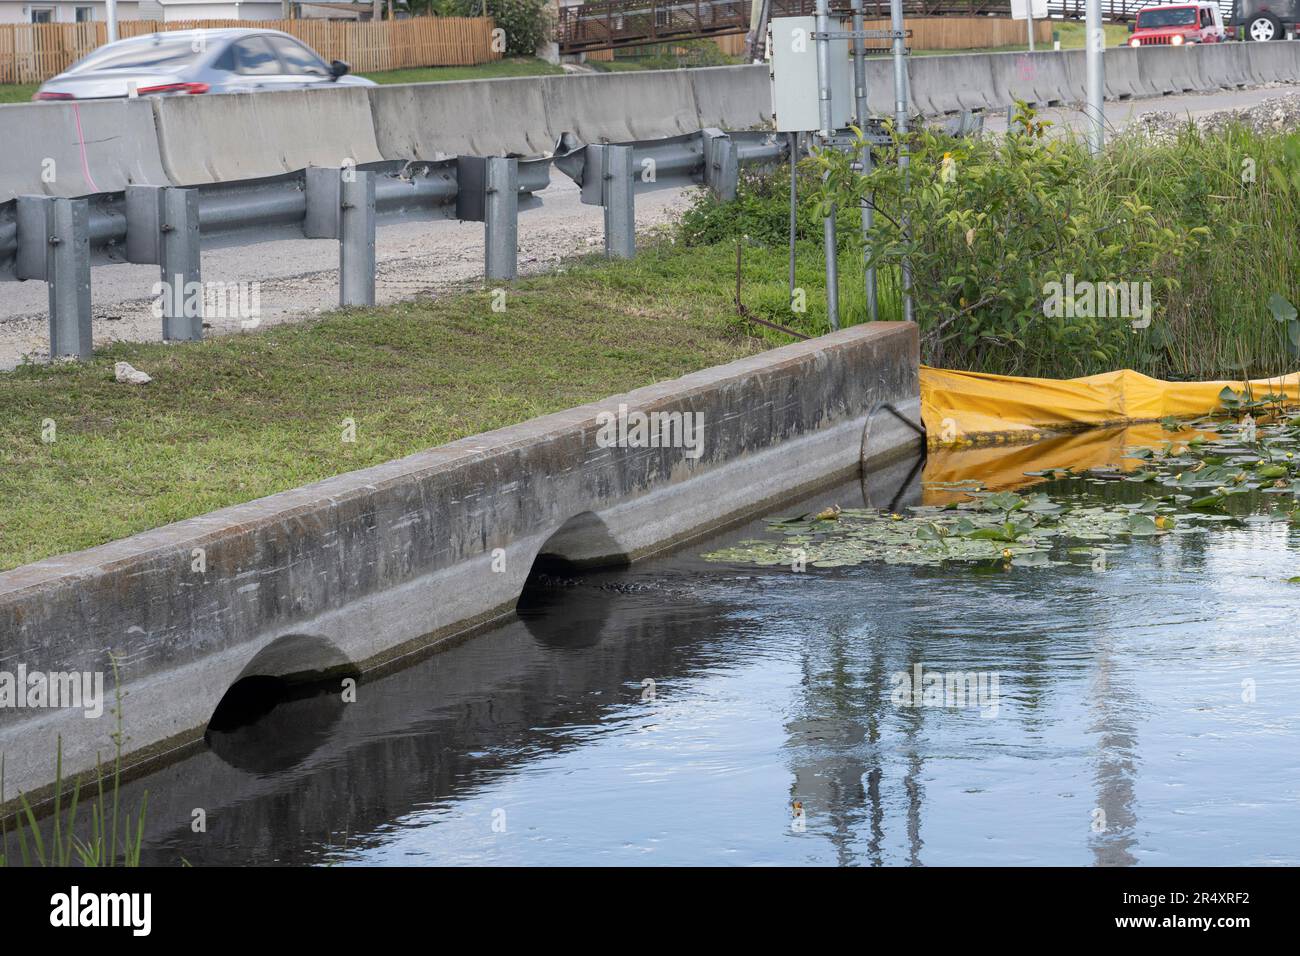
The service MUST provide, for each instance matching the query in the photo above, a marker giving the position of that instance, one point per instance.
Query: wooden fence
(969, 33)
(32, 53)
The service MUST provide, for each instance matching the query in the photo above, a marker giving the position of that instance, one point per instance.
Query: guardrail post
(357, 240)
(341, 205)
(501, 218)
(721, 164)
(618, 196)
(162, 227)
(487, 191)
(54, 245)
(182, 273)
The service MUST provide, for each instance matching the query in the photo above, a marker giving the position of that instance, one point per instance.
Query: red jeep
(1177, 24)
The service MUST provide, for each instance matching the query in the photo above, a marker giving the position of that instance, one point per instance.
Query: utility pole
(900, 125)
(1096, 76)
(827, 132)
(862, 113)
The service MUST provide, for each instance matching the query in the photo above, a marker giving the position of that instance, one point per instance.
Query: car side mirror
(1132, 26)
(339, 68)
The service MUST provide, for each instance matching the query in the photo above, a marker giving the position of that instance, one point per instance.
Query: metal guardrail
(56, 240)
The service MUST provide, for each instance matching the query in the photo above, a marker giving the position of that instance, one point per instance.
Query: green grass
(17, 93)
(512, 66)
(1072, 35)
(239, 417)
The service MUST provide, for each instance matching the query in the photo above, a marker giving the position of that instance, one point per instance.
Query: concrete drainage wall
(360, 569)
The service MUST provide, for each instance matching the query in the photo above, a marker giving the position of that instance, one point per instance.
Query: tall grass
(1212, 220)
(112, 839)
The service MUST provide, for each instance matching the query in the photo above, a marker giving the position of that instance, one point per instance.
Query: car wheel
(1264, 27)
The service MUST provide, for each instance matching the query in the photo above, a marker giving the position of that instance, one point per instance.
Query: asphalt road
(298, 278)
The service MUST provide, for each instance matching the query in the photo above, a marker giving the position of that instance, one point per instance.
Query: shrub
(526, 22)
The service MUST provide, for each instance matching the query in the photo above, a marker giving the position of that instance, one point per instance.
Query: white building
(81, 11)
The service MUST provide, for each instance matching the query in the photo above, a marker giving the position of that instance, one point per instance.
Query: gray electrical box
(794, 75)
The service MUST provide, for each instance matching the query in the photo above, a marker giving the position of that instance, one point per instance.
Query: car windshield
(1177, 17)
(149, 53)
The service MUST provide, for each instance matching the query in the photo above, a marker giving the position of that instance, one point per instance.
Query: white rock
(127, 373)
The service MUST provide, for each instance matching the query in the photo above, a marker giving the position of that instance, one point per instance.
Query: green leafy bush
(1209, 219)
(525, 22)
(1012, 250)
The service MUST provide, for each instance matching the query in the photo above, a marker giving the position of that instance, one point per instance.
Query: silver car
(187, 62)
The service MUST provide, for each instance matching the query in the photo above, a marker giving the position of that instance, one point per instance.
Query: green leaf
(1283, 311)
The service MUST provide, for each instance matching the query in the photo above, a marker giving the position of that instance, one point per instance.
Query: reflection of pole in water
(1114, 817)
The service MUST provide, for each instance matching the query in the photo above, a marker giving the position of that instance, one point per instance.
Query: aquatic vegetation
(1247, 469)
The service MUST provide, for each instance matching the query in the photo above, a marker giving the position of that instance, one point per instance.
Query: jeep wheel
(1264, 27)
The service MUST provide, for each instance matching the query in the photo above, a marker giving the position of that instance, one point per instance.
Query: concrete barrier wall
(528, 115)
(621, 107)
(208, 139)
(376, 563)
(55, 150)
(468, 118)
(204, 139)
(733, 97)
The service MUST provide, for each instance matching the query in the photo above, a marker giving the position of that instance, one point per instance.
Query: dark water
(1123, 730)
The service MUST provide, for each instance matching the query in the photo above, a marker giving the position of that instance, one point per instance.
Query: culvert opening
(251, 699)
(556, 604)
(285, 703)
(550, 575)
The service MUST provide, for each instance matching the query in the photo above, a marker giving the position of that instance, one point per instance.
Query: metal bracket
(860, 35)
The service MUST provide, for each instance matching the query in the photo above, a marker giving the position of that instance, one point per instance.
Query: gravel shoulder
(298, 278)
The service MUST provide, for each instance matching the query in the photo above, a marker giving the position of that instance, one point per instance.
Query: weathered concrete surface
(383, 561)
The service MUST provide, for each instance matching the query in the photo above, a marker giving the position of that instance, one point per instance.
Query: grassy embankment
(239, 417)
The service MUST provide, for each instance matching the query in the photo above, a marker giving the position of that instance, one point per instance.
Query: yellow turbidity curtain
(974, 407)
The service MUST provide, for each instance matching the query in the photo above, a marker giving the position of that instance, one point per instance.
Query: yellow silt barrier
(997, 467)
(961, 408)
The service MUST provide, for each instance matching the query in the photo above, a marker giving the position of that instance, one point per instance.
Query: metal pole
(864, 158)
(501, 218)
(619, 202)
(794, 204)
(357, 239)
(900, 124)
(1096, 74)
(110, 14)
(827, 122)
(1029, 19)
